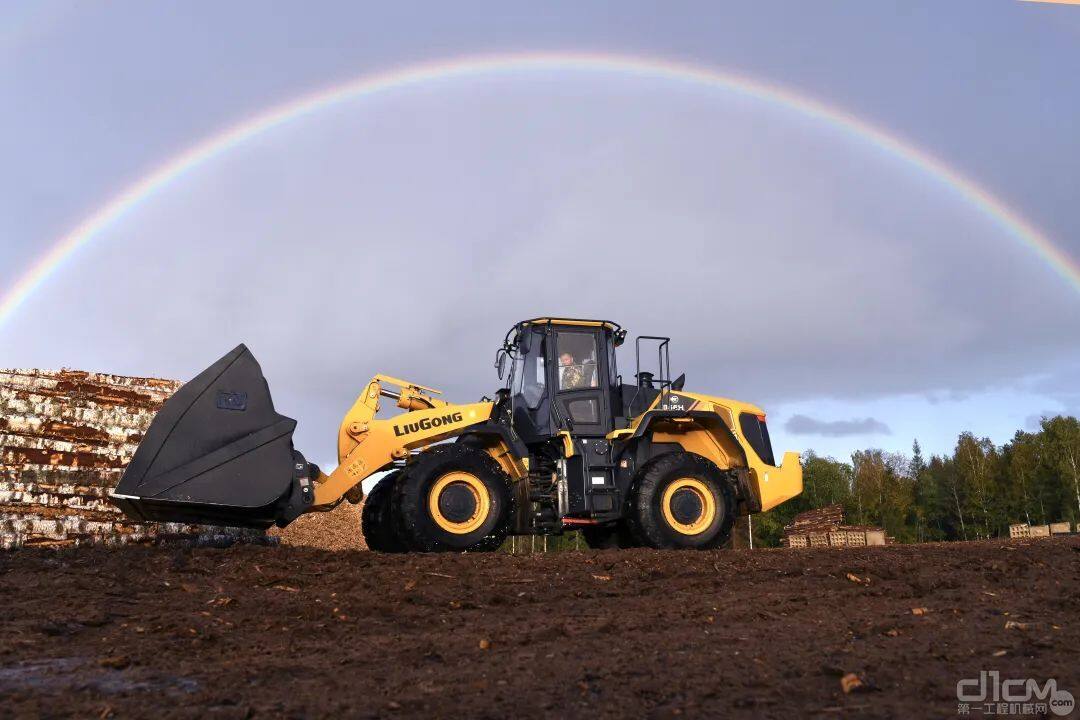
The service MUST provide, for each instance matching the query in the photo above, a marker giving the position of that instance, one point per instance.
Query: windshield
(529, 380)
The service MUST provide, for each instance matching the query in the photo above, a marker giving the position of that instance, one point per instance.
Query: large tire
(682, 501)
(453, 498)
(380, 532)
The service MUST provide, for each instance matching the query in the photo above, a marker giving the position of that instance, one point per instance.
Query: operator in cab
(572, 373)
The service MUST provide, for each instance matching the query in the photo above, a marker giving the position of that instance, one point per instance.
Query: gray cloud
(404, 236)
(806, 425)
(1033, 423)
(939, 396)
(1063, 385)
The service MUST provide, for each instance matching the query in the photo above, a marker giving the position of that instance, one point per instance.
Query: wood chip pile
(824, 527)
(338, 529)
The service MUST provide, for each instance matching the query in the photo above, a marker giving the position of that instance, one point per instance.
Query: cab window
(530, 379)
(577, 369)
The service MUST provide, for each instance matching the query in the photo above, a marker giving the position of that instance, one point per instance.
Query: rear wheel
(682, 501)
(453, 498)
(378, 526)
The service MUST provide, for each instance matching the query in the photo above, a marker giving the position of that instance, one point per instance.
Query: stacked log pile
(824, 527)
(65, 437)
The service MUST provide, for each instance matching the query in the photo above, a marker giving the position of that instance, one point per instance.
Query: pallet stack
(65, 438)
(1023, 530)
(824, 527)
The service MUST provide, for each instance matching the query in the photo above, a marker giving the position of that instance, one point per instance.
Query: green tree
(882, 492)
(867, 469)
(1061, 445)
(976, 462)
(924, 500)
(974, 492)
(898, 499)
(825, 481)
(1020, 467)
(952, 498)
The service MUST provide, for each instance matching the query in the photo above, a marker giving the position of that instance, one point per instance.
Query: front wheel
(453, 497)
(376, 521)
(682, 501)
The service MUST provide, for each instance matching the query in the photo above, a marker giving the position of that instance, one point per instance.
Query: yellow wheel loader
(565, 444)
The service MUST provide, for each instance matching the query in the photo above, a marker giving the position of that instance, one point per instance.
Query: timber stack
(824, 527)
(65, 438)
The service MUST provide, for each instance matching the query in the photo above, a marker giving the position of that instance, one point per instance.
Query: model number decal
(676, 403)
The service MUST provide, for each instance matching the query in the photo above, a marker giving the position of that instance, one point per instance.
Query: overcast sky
(859, 300)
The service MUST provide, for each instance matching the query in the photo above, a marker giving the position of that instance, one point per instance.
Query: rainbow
(1064, 265)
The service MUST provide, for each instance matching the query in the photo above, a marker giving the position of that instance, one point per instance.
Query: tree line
(974, 493)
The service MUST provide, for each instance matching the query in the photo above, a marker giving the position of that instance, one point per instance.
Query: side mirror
(677, 383)
(500, 363)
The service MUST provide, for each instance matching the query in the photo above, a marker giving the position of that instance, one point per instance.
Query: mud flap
(218, 453)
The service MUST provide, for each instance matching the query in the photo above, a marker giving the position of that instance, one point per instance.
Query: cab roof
(613, 326)
(618, 334)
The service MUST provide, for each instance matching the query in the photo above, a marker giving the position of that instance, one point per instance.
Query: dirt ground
(297, 632)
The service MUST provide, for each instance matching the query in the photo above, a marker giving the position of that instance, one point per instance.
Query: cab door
(581, 384)
(583, 395)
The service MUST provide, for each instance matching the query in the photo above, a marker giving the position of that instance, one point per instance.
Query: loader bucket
(217, 453)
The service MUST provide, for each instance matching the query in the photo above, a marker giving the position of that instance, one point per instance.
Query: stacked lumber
(824, 527)
(65, 438)
(830, 515)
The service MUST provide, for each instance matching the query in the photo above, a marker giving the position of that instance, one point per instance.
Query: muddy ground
(298, 632)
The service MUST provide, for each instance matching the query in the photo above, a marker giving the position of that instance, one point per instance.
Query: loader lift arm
(367, 445)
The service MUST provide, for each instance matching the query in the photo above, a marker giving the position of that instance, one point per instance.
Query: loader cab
(563, 377)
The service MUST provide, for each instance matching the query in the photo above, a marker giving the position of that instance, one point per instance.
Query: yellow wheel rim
(693, 494)
(459, 502)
